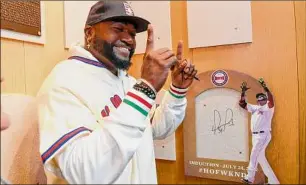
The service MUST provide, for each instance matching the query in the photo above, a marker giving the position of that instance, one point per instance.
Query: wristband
(177, 92)
(144, 88)
(149, 84)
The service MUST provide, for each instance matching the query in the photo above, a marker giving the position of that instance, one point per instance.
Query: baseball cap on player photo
(108, 10)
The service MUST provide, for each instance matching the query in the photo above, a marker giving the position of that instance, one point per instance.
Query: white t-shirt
(261, 117)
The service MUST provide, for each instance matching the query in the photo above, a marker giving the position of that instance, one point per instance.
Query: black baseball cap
(109, 10)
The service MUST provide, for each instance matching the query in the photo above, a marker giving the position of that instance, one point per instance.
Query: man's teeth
(123, 49)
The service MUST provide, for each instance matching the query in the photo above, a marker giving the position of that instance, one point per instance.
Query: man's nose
(127, 39)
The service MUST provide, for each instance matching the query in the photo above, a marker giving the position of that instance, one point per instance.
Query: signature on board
(220, 124)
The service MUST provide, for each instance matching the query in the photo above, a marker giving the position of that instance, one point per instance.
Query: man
(261, 132)
(97, 122)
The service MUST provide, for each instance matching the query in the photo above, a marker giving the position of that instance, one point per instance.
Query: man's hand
(244, 87)
(183, 72)
(156, 63)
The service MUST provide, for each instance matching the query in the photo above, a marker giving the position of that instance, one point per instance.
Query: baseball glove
(262, 82)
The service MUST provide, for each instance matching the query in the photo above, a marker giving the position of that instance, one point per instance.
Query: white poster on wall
(213, 23)
(76, 13)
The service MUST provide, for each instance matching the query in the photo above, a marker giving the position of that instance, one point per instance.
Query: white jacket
(95, 128)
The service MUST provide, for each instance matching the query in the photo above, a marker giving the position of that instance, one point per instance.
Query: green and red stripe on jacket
(177, 92)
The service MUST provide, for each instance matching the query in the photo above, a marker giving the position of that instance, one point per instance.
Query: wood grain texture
(12, 66)
(300, 21)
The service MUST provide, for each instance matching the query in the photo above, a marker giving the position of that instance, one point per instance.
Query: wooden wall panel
(25, 65)
(300, 18)
(272, 55)
(12, 66)
(40, 59)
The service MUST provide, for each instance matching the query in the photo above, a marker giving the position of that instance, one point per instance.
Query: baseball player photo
(261, 119)
(98, 123)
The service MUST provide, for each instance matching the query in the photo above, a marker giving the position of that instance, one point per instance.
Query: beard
(107, 50)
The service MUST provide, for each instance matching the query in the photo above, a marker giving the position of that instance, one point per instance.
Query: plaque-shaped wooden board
(216, 130)
(21, 16)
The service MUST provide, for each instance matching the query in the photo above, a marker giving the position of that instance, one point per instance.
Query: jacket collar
(77, 51)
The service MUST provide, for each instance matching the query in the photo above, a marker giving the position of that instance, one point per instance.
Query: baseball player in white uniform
(261, 119)
(98, 123)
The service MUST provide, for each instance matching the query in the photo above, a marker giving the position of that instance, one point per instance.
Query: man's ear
(89, 34)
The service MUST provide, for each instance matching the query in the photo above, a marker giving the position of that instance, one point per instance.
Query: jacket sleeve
(81, 155)
(170, 113)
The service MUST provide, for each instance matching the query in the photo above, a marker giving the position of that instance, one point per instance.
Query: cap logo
(128, 9)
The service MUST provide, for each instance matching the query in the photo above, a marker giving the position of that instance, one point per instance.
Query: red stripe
(177, 92)
(141, 100)
(59, 142)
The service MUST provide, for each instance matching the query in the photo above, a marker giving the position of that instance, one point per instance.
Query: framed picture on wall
(23, 20)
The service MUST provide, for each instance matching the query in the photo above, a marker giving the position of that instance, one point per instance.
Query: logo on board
(219, 78)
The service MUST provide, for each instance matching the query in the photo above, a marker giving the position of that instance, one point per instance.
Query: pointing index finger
(179, 52)
(150, 39)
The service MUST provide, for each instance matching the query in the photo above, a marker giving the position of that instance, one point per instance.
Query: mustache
(106, 49)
